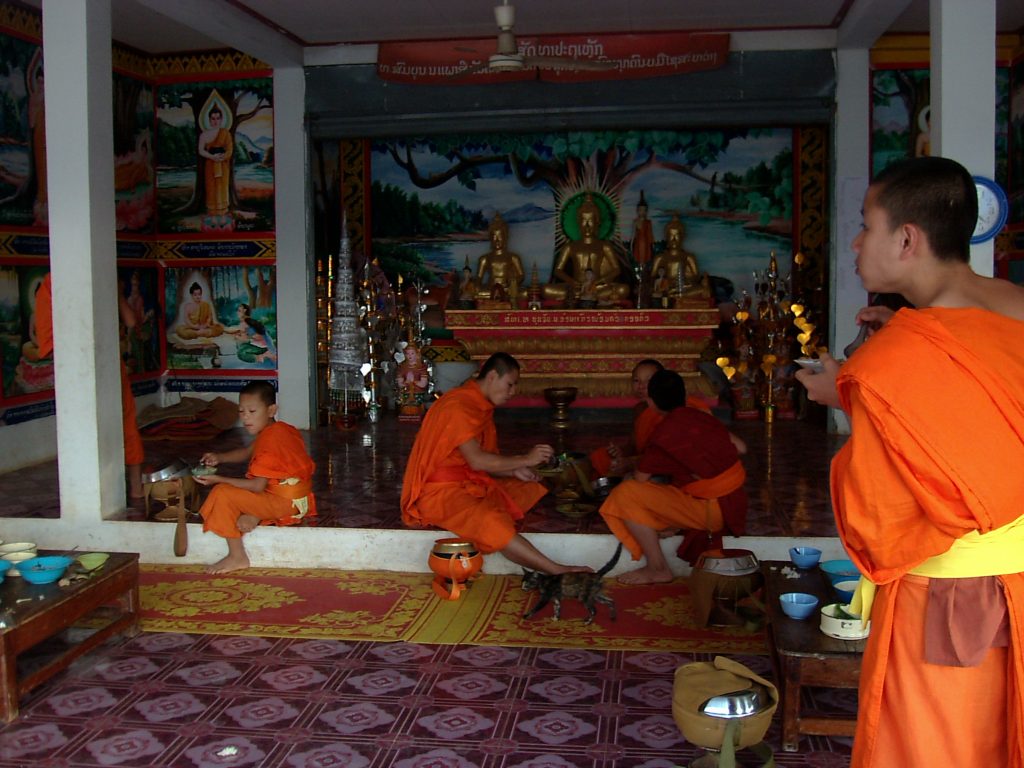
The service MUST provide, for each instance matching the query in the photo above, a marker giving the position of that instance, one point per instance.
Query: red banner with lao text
(625, 56)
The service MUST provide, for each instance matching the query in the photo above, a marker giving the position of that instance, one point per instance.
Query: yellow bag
(700, 682)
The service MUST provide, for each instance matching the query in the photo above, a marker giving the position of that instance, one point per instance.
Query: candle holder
(560, 398)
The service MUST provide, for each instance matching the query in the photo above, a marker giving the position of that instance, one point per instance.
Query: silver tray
(177, 468)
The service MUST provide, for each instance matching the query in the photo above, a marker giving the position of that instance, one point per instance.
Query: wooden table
(34, 613)
(803, 655)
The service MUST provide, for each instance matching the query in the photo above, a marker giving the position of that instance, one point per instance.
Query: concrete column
(853, 158)
(295, 272)
(80, 164)
(963, 92)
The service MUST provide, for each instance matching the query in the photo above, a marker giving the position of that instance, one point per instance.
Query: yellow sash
(973, 554)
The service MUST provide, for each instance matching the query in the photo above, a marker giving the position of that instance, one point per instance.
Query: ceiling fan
(508, 59)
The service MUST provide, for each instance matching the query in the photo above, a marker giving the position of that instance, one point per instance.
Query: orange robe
(440, 489)
(279, 454)
(644, 422)
(706, 492)
(218, 174)
(936, 402)
(44, 317)
(133, 450)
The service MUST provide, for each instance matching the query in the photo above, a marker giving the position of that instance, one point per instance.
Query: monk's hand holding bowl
(821, 387)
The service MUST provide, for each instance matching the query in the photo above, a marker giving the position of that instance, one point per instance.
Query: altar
(593, 350)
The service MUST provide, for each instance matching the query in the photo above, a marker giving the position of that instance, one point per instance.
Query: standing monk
(928, 488)
(456, 479)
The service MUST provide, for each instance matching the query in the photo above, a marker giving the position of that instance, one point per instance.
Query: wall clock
(993, 209)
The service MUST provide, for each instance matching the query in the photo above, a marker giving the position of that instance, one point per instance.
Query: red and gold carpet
(385, 606)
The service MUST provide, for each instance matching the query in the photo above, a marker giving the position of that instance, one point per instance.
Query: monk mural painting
(141, 345)
(215, 156)
(221, 317)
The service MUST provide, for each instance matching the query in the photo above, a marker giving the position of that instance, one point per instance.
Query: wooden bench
(802, 655)
(108, 601)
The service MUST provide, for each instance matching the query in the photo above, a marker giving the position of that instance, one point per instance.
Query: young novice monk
(705, 494)
(927, 491)
(277, 488)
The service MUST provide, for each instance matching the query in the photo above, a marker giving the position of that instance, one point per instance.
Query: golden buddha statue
(676, 259)
(499, 271)
(588, 252)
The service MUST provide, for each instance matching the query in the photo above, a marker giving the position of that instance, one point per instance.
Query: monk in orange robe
(705, 493)
(614, 459)
(927, 491)
(277, 487)
(134, 453)
(457, 480)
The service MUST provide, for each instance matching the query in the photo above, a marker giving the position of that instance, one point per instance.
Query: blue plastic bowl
(43, 570)
(798, 605)
(845, 590)
(840, 570)
(4, 567)
(804, 557)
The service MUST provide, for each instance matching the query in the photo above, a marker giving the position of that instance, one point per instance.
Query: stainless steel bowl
(743, 703)
(177, 468)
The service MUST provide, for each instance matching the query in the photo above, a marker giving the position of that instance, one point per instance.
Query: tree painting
(215, 152)
(432, 197)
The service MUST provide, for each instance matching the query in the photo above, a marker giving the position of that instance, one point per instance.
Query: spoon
(854, 345)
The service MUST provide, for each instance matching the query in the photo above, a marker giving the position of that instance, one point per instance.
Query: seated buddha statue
(676, 259)
(499, 271)
(588, 252)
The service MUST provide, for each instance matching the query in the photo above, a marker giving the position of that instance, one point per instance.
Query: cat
(585, 587)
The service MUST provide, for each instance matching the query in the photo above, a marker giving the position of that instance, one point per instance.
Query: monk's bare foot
(646, 575)
(573, 569)
(247, 523)
(228, 564)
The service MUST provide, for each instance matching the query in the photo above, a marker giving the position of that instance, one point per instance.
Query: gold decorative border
(172, 249)
(218, 62)
(21, 21)
(611, 320)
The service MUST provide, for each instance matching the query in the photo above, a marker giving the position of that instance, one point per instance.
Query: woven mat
(389, 606)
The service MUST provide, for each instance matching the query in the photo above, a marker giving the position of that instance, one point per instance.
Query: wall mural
(23, 199)
(25, 371)
(134, 193)
(433, 198)
(141, 347)
(221, 317)
(215, 155)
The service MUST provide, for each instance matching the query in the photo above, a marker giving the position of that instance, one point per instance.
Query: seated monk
(499, 267)
(197, 318)
(457, 480)
(589, 252)
(705, 495)
(614, 459)
(675, 258)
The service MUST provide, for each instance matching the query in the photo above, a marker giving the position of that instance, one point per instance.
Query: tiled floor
(359, 472)
(199, 701)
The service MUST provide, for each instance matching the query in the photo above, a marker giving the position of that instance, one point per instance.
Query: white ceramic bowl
(17, 557)
(16, 546)
(835, 625)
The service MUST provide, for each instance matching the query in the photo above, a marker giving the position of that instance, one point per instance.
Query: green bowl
(90, 561)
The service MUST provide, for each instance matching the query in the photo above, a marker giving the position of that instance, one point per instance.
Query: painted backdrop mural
(434, 197)
(215, 156)
(25, 371)
(23, 200)
(221, 317)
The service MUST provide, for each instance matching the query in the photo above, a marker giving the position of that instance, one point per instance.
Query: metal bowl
(603, 485)
(728, 562)
(175, 469)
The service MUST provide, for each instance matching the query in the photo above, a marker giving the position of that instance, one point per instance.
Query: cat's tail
(611, 563)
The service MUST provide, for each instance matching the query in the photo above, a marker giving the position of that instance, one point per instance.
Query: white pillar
(296, 369)
(80, 165)
(853, 158)
(963, 92)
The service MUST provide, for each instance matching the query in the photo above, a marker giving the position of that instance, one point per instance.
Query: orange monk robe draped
(706, 493)
(440, 489)
(133, 450)
(936, 401)
(644, 422)
(279, 454)
(44, 317)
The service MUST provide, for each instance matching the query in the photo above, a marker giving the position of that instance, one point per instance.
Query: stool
(183, 491)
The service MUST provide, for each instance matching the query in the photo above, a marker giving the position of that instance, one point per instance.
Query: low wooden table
(34, 613)
(803, 655)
